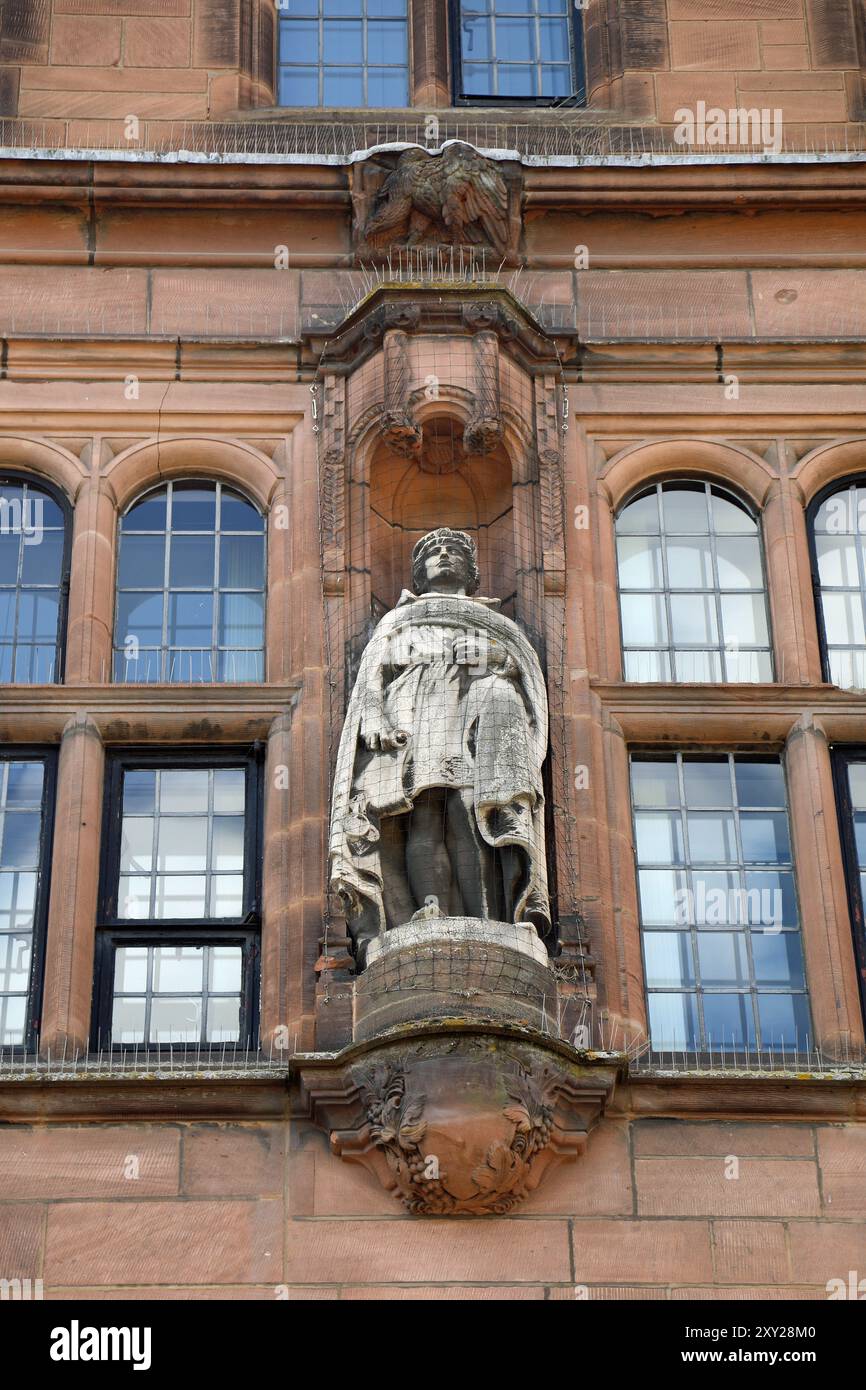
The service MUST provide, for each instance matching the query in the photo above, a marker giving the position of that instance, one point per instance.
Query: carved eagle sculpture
(455, 198)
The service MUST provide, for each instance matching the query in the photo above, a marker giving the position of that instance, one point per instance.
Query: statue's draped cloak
(483, 730)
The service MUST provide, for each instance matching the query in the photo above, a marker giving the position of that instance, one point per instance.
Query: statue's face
(446, 568)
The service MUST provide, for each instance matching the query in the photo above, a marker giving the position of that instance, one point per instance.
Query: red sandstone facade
(148, 336)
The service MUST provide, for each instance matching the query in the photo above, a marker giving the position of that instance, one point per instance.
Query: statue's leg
(396, 893)
(426, 854)
(473, 860)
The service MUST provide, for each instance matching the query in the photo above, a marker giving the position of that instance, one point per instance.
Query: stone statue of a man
(438, 807)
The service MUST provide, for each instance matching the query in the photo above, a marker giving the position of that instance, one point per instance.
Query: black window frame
(732, 752)
(841, 755)
(243, 931)
(32, 752)
(17, 476)
(839, 485)
(577, 97)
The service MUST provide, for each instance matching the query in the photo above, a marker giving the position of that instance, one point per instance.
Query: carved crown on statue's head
(459, 538)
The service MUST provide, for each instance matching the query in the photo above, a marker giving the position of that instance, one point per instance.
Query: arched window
(190, 587)
(693, 600)
(838, 528)
(34, 580)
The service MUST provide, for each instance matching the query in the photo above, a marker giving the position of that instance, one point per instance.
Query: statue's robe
(479, 728)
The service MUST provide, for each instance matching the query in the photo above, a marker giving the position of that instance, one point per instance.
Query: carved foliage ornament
(498, 1183)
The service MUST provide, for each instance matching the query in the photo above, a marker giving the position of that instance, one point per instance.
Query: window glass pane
(229, 791)
(640, 562)
(127, 1021)
(759, 783)
(183, 789)
(857, 784)
(784, 1020)
(641, 516)
(177, 969)
(554, 40)
(139, 616)
(838, 561)
(386, 42)
(646, 666)
(659, 837)
(712, 838)
(228, 843)
(227, 895)
(655, 783)
(765, 837)
(139, 792)
(241, 620)
(668, 960)
(771, 898)
(24, 785)
(718, 901)
(301, 41)
(515, 39)
(299, 86)
(729, 1020)
(664, 897)
(673, 1020)
(237, 514)
(343, 43)
(175, 1020)
(191, 563)
(133, 898)
(142, 562)
(147, 515)
(744, 619)
(190, 620)
(476, 38)
(136, 845)
(643, 619)
(180, 895)
(693, 618)
(21, 839)
(223, 1023)
(387, 87)
(241, 562)
(517, 80)
(778, 959)
(690, 564)
(37, 614)
(843, 618)
(10, 554)
(697, 666)
(723, 959)
(193, 508)
(42, 559)
(731, 516)
(225, 968)
(130, 969)
(182, 844)
(739, 561)
(707, 782)
(685, 510)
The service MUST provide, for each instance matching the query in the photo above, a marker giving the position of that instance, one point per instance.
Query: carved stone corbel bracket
(399, 430)
(457, 1123)
(483, 433)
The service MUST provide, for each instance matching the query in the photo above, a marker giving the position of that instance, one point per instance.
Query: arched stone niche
(443, 484)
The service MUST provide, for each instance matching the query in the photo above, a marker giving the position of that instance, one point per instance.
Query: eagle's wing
(392, 209)
(474, 192)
